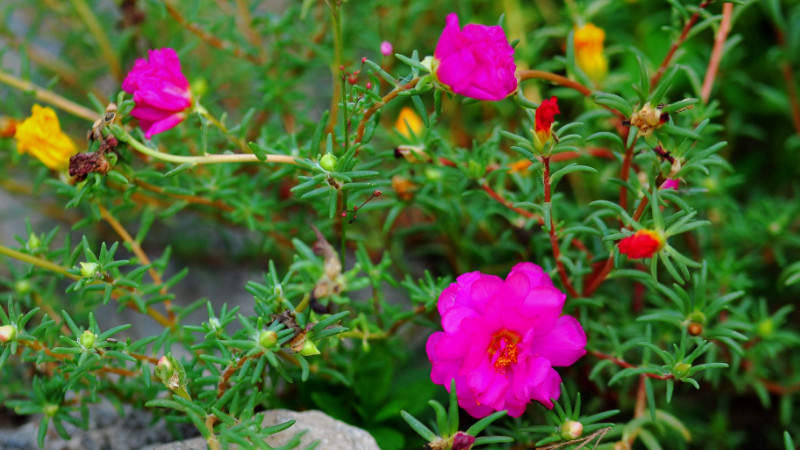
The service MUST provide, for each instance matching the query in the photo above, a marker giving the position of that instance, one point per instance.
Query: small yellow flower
(40, 135)
(589, 51)
(407, 122)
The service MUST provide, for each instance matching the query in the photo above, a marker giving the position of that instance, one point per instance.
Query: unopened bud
(22, 287)
(7, 333)
(33, 242)
(328, 162)
(50, 410)
(695, 329)
(462, 441)
(267, 338)
(309, 349)
(89, 270)
(571, 430)
(87, 339)
(386, 48)
(199, 87)
(765, 328)
(165, 367)
(681, 370)
(368, 85)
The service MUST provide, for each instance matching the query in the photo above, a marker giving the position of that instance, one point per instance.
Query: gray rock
(332, 434)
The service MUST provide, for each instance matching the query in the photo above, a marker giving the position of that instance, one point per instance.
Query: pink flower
(160, 91)
(670, 183)
(475, 62)
(386, 48)
(501, 340)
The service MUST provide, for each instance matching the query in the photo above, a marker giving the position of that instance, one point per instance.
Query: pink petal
(565, 343)
(163, 125)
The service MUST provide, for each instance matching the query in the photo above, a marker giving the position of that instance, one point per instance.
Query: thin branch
(96, 30)
(209, 38)
(626, 365)
(562, 271)
(49, 97)
(716, 54)
(675, 45)
(139, 252)
(788, 78)
(386, 99)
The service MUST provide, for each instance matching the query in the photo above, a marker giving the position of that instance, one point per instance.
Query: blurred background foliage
(269, 70)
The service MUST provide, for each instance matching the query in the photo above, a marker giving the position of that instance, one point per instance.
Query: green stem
(339, 49)
(96, 30)
(50, 97)
(43, 263)
(125, 137)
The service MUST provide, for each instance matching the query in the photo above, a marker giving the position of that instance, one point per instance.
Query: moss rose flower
(501, 340)
(589, 54)
(40, 135)
(160, 91)
(545, 116)
(642, 244)
(475, 62)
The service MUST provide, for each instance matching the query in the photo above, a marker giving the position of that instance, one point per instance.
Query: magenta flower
(386, 48)
(475, 62)
(670, 183)
(160, 91)
(501, 340)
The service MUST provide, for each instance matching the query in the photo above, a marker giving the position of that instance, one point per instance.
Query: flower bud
(328, 162)
(462, 441)
(765, 328)
(22, 287)
(267, 338)
(432, 174)
(681, 370)
(7, 333)
(165, 367)
(571, 430)
(309, 349)
(694, 328)
(199, 87)
(87, 339)
(50, 410)
(386, 48)
(89, 270)
(33, 242)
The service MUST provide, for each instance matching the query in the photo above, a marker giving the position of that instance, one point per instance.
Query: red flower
(642, 244)
(545, 116)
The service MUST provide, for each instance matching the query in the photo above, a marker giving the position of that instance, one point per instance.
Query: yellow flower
(589, 51)
(407, 122)
(40, 135)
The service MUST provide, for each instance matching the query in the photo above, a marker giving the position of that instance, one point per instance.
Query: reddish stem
(716, 54)
(788, 78)
(675, 45)
(562, 271)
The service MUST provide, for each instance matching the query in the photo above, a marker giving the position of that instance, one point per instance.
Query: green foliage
(357, 226)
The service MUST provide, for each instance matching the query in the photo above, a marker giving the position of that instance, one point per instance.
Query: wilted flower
(475, 62)
(462, 441)
(501, 340)
(589, 55)
(40, 135)
(160, 91)
(642, 244)
(386, 48)
(545, 116)
(408, 123)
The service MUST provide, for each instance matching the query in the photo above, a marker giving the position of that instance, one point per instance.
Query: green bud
(89, 270)
(476, 170)
(33, 242)
(164, 367)
(7, 333)
(328, 162)
(309, 349)
(50, 410)
(22, 286)
(571, 430)
(433, 174)
(765, 328)
(681, 370)
(267, 339)
(87, 339)
(199, 87)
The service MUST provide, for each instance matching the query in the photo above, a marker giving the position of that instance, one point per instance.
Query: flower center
(503, 349)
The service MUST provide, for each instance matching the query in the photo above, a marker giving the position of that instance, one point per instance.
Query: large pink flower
(475, 62)
(160, 91)
(501, 340)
